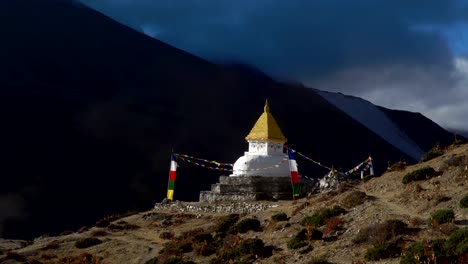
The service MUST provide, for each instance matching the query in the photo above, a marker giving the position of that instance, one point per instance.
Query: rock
(331, 181)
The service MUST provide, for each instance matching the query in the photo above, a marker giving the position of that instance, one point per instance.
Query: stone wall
(254, 188)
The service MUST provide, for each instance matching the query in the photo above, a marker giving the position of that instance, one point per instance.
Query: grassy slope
(387, 199)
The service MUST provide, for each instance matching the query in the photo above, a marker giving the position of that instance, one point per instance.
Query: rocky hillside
(358, 223)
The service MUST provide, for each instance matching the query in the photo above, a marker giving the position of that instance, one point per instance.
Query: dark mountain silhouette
(424, 132)
(91, 109)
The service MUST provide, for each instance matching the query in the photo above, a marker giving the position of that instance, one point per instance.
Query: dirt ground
(137, 238)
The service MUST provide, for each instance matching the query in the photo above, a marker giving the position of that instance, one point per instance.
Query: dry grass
(366, 220)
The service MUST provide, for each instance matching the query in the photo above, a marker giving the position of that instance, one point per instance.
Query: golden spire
(266, 128)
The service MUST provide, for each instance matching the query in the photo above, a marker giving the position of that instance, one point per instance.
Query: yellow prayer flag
(170, 194)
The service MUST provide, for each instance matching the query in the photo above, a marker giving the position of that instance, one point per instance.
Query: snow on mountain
(374, 119)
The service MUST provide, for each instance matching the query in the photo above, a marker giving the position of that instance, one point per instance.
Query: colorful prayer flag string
(311, 160)
(203, 165)
(367, 163)
(219, 164)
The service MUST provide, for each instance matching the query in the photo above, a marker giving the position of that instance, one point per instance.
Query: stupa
(265, 156)
(262, 173)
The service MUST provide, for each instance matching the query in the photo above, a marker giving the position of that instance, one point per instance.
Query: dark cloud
(385, 51)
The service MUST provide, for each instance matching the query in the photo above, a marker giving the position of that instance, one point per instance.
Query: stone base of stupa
(255, 188)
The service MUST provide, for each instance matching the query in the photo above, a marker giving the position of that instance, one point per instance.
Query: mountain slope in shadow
(91, 109)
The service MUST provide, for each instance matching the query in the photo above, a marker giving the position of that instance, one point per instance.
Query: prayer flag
(294, 173)
(172, 178)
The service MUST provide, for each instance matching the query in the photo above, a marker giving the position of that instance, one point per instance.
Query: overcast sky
(410, 55)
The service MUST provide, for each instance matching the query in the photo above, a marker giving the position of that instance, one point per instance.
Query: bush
(319, 217)
(251, 246)
(398, 166)
(457, 243)
(295, 243)
(235, 252)
(353, 199)
(420, 175)
(414, 254)
(442, 216)
(122, 225)
(381, 232)
(185, 247)
(104, 222)
(464, 202)
(204, 244)
(439, 250)
(225, 223)
(333, 224)
(245, 225)
(300, 239)
(314, 234)
(87, 242)
(382, 251)
(279, 217)
(433, 153)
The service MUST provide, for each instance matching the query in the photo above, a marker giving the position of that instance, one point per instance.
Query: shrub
(300, 239)
(104, 222)
(295, 243)
(382, 251)
(414, 254)
(226, 222)
(442, 216)
(122, 225)
(279, 217)
(457, 243)
(314, 234)
(464, 202)
(381, 232)
(245, 225)
(397, 166)
(204, 244)
(319, 217)
(333, 224)
(435, 251)
(433, 153)
(251, 246)
(87, 242)
(235, 252)
(420, 175)
(353, 199)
